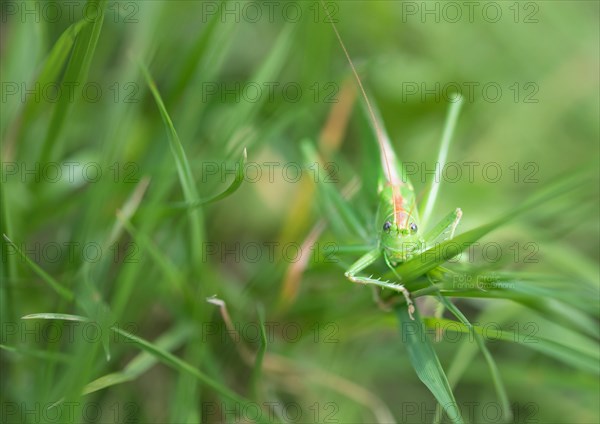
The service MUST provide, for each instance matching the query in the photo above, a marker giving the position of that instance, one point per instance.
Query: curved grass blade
(76, 73)
(142, 362)
(102, 317)
(157, 352)
(183, 167)
(180, 365)
(233, 187)
(53, 65)
(184, 170)
(426, 363)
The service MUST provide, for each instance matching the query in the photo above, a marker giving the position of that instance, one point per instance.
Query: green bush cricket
(402, 234)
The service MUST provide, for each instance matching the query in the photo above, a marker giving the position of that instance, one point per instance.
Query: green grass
(146, 314)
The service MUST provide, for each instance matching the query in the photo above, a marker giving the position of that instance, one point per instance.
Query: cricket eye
(413, 228)
(387, 226)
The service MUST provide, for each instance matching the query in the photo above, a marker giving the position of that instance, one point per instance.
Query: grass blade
(448, 249)
(178, 364)
(54, 65)
(156, 351)
(245, 112)
(449, 126)
(141, 363)
(257, 370)
(199, 50)
(51, 315)
(494, 371)
(184, 170)
(233, 187)
(426, 363)
(568, 354)
(76, 74)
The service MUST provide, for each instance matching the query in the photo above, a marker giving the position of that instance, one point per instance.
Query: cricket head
(401, 239)
(400, 235)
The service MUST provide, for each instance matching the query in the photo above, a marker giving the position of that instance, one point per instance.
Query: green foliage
(105, 275)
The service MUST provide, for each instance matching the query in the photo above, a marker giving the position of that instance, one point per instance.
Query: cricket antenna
(378, 131)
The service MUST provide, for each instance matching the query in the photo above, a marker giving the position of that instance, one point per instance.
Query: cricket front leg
(366, 260)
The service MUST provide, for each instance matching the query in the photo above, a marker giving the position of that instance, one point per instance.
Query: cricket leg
(364, 262)
(444, 229)
(457, 216)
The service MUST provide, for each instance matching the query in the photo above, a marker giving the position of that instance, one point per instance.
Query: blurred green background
(264, 76)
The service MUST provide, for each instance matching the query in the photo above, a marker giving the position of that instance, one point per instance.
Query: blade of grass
(449, 126)
(75, 75)
(53, 65)
(184, 171)
(233, 187)
(39, 354)
(155, 351)
(561, 305)
(167, 267)
(571, 355)
(448, 249)
(178, 364)
(494, 371)
(425, 361)
(257, 370)
(141, 363)
(8, 273)
(271, 66)
(199, 50)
